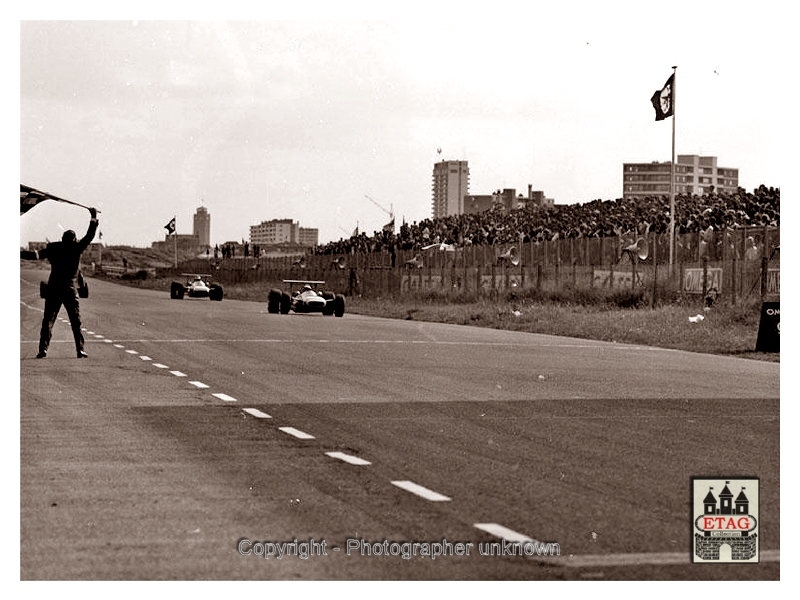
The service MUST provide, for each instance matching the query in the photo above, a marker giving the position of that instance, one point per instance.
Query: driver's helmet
(306, 288)
(198, 278)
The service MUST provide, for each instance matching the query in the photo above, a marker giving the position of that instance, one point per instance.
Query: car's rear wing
(303, 281)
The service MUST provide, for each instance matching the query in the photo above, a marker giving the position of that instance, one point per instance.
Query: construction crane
(379, 205)
(350, 233)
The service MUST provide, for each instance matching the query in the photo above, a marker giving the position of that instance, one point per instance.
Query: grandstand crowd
(714, 212)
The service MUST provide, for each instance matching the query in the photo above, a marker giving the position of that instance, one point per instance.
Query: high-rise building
(450, 185)
(694, 174)
(202, 227)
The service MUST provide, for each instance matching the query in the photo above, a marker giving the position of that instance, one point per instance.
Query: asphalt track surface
(200, 433)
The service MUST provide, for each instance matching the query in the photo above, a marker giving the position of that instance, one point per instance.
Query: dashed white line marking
(178, 374)
(256, 413)
(198, 384)
(143, 357)
(224, 397)
(131, 351)
(118, 346)
(98, 336)
(160, 366)
(87, 331)
(503, 532)
(421, 491)
(296, 433)
(107, 341)
(348, 458)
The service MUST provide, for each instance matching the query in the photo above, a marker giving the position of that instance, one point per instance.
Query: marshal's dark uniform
(61, 289)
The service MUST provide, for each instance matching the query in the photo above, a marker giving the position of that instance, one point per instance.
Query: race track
(198, 434)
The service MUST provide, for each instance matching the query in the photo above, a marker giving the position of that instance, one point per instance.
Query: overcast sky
(272, 119)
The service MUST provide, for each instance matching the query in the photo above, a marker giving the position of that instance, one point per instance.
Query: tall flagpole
(175, 233)
(672, 180)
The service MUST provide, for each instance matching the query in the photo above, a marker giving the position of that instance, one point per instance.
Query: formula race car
(303, 297)
(195, 287)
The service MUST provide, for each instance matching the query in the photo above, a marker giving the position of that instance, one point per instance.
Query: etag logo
(725, 520)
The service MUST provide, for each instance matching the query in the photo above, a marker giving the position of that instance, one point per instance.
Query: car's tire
(176, 291)
(215, 293)
(338, 306)
(274, 302)
(286, 303)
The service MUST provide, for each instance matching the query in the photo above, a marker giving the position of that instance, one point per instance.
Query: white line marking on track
(296, 433)
(98, 336)
(143, 357)
(160, 366)
(353, 460)
(224, 397)
(87, 331)
(178, 374)
(198, 384)
(256, 413)
(503, 532)
(131, 351)
(421, 491)
(107, 341)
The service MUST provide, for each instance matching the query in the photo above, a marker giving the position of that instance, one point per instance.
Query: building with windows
(696, 175)
(202, 227)
(283, 231)
(450, 186)
(507, 199)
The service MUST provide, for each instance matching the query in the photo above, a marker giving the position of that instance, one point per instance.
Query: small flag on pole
(170, 227)
(389, 227)
(663, 100)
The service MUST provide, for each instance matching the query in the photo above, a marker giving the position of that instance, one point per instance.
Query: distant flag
(663, 100)
(355, 232)
(389, 226)
(30, 197)
(170, 227)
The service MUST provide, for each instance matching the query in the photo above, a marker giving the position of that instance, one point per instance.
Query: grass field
(723, 330)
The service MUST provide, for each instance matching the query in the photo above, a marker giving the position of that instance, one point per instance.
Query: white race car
(305, 299)
(195, 287)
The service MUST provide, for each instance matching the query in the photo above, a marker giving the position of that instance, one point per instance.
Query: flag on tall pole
(170, 227)
(663, 101)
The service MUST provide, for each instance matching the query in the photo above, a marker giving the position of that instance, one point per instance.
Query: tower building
(450, 185)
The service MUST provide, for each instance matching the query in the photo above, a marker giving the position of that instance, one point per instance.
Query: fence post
(705, 275)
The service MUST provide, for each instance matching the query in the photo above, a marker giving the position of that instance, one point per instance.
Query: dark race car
(195, 287)
(303, 297)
